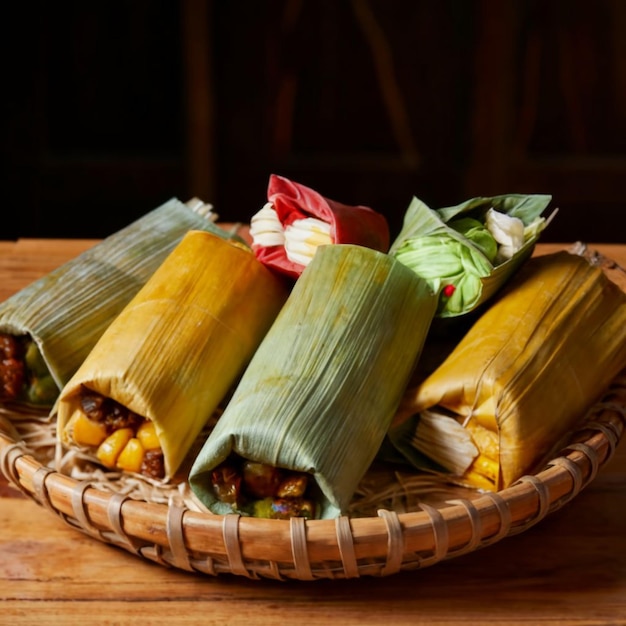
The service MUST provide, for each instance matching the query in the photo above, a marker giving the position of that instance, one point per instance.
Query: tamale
(469, 251)
(320, 392)
(296, 220)
(48, 328)
(522, 377)
(162, 367)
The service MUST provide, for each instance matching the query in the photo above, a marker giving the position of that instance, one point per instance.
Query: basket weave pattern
(174, 535)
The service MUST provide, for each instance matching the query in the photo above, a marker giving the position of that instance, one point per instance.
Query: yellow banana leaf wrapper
(522, 377)
(49, 327)
(320, 392)
(172, 354)
(469, 251)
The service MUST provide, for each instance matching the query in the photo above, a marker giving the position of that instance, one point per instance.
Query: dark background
(113, 107)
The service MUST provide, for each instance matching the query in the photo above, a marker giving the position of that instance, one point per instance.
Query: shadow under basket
(437, 523)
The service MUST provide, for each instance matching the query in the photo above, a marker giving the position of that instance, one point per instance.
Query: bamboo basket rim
(175, 536)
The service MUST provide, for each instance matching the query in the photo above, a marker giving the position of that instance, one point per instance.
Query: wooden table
(569, 569)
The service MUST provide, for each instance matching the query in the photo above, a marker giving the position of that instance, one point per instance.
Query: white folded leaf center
(508, 231)
(303, 237)
(265, 227)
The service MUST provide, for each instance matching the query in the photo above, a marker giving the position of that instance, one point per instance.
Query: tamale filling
(262, 490)
(119, 438)
(24, 376)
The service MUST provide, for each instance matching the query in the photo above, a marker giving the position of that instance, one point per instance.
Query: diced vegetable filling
(24, 376)
(262, 490)
(122, 439)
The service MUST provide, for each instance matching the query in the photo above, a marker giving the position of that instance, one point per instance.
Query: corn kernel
(86, 432)
(131, 456)
(146, 433)
(483, 467)
(112, 446)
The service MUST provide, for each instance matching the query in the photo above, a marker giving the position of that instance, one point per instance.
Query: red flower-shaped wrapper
(290, 203)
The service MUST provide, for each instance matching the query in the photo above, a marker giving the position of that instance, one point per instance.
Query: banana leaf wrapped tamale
(48, 328)
(316, 400)
(160, 370)
(469, 251)
(522, 377)
(296, 220)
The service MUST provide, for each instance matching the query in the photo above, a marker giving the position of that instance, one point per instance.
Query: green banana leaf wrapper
(456, 251)
(320, 391)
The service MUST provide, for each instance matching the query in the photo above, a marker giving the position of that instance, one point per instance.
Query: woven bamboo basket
(399, 521)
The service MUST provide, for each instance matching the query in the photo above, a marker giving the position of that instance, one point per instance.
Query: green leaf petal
(478, 234)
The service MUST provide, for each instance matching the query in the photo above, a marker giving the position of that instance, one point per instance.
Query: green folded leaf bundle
(522, 377)
(464, 254)
(320, 392)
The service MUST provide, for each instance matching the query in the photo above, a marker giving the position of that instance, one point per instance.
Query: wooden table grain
(568, 569)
